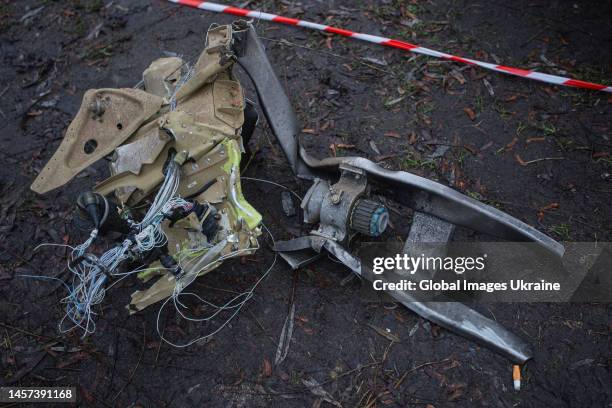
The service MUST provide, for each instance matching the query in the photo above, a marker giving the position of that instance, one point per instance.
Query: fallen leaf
(456, 386)
(410, 15)
(551, 206)
(486, 146)
(521, 161)
(470, 112)
(510, 145)
(413, 138)
(386, 334)
(152, 345)
(436, 375)
(456, 391)
(398, 316)
(598, 155)
(385, 398)
(385, 157)
(451, 364)
(332, 147)
(344, 146)
(267, 368)
(393, 134)
(470, 149)
(535, 139)
(435, 330)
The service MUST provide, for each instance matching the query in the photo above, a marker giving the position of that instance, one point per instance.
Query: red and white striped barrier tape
(538, 76)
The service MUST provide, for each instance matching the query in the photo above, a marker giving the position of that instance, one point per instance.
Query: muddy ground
(539, 152)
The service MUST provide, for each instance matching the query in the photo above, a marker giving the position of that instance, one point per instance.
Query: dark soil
(346, 94)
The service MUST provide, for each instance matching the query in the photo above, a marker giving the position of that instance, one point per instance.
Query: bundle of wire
(188, 72)
(92, 273)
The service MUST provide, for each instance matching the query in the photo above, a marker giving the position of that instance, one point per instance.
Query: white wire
(79, 250)
(182, 81)
(52, 244)
(229, 305)
(166, 192)
(274, 184)
(90, 273)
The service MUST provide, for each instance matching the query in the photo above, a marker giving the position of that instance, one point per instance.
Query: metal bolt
(335, 197)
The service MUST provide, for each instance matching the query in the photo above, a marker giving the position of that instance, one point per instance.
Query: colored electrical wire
(90, 274)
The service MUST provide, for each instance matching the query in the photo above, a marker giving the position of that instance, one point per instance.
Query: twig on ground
(526, 163)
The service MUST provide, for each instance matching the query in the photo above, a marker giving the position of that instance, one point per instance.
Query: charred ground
(539, 152)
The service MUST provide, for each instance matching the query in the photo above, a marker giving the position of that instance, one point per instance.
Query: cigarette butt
(516, 376)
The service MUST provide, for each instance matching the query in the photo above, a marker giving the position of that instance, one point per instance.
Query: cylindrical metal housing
(369, 217)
